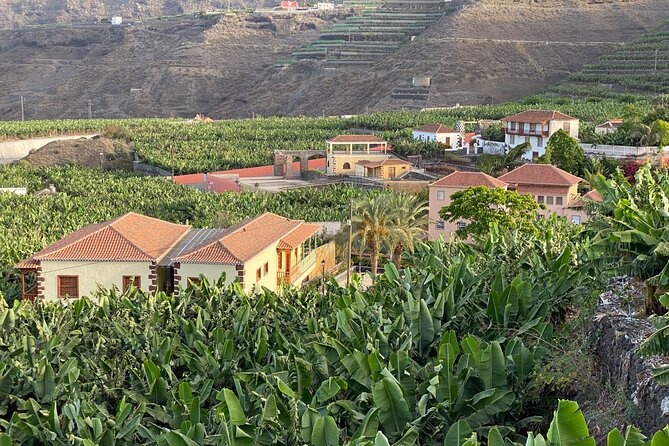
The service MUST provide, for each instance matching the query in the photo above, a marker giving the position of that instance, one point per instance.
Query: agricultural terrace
(29, 223)
(207, 147)
(639, 68)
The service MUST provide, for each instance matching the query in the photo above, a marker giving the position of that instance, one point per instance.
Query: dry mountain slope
(490, 50)
(15, 13)
(165, 67)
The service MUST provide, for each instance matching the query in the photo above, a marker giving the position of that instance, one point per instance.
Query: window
(68, 286)
(558, 201)
(136, 281)
(540, 199)
(527, 139)
(512, 139)
(566, 126)
(461, 225)
(441, 195)
(346, 166)
(540, 141)
(533, 128)
(258, 274)
(440, 224)
(576, 219)
(535, 155)
(549, 200)
(195, 281)
(266, 268)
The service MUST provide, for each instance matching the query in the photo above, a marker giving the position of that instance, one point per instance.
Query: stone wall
(616, 332)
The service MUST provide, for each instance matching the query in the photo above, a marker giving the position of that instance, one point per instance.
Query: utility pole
(90, 109)
(350, 242)
(23, 116)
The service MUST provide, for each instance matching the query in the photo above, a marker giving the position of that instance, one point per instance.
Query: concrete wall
(327, 253)
(92, 274)
(618, 151)
(410, 187)
(16, 149)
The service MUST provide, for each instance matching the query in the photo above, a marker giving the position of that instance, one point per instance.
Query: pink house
(550, 186)
(440, 196)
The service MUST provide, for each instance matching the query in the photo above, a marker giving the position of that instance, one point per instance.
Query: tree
(660, 132)
(387, 223)
(481, 206)
(409, 221)
(493, 132)
(494, 165)
(565, 152)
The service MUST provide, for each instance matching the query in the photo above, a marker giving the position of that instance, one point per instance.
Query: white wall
(92, 274)
(445, 138)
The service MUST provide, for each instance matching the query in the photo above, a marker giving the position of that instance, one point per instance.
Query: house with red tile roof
(550, 186)
(609, 126)
(266, 251)
(345, 151)
(384, 168)
(156, 255)
(536, 127)
(437, 133)
(117, 253)
(440, 196)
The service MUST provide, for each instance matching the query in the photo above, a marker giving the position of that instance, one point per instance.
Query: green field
(210, 147)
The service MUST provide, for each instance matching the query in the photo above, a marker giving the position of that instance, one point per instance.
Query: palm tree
(409, 218)
(389, 222)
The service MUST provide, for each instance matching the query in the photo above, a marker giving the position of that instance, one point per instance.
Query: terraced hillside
(488, 51)
(640, 67)
(375, 34)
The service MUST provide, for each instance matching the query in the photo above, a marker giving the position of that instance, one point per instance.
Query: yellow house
(266, 251)
(156, 255)
(345, 151)
(386, 168)
(113, 254)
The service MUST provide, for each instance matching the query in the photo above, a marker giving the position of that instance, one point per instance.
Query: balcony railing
(303, 266)
(523, 132)
(31, 294)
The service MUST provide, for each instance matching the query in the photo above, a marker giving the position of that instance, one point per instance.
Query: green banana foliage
(437, 353)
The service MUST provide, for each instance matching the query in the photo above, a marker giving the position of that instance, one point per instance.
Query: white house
(437, 132)
(609, 126)
(536, 127)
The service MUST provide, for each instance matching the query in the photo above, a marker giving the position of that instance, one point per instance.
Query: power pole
(350, 242)
(172, 161)
(90, 109)
(23, 116)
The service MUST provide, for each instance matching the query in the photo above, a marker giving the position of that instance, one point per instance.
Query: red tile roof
(611, 123)
(435, 128)
(130, 237)
(593, 195)
(468, 179)
(298, 236)
(245, 242)
(357, 139)
(538, 116)
(540, 174)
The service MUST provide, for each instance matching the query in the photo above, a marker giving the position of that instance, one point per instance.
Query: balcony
(305, 265)
(523, 132)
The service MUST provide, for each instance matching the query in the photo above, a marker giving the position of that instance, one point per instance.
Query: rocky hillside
(14, 13)
(225, 66)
